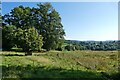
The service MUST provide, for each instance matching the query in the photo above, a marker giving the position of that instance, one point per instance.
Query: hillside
(94, 45)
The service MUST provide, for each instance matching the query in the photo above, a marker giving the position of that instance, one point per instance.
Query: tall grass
(60, 64)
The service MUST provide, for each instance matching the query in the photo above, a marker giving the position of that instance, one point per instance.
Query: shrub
(70, 47)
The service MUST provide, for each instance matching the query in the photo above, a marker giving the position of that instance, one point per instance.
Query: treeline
(32, 29)
(91, 45)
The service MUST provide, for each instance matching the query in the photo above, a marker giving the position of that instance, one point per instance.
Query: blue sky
(83, 20)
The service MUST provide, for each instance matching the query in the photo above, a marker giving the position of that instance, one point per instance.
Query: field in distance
(60, 64)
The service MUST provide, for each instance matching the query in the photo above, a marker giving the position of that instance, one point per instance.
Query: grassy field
(64, 64)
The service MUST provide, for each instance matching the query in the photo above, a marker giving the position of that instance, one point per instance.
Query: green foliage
(29, 39)
(51, 27)
(70, 47)
(77, 47)
(94, 45)
(44, 18)
(8, 37)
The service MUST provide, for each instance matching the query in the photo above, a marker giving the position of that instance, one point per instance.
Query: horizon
(93, 40)
(84, 21)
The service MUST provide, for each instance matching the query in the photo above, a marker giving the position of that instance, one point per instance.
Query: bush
(70, 47)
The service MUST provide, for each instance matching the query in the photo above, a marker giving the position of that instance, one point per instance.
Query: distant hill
(94, 45)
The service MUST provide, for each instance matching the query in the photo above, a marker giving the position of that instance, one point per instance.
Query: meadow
(60, 64)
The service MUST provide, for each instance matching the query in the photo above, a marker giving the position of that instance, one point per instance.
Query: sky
(82, 21)
(60, 0)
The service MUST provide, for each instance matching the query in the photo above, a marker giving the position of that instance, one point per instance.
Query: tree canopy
(45, 19)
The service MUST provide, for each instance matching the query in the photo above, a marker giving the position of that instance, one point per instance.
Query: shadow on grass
(115, 76)
(34, 72)
(12, 55)
(21, 51)
(16, 50)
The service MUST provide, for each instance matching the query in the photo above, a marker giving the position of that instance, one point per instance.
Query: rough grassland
(65, 64)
